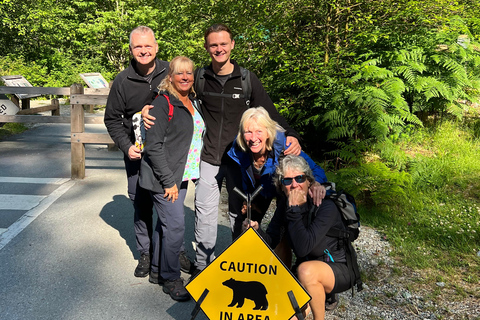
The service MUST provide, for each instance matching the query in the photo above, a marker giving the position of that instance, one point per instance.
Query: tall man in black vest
(223, 103)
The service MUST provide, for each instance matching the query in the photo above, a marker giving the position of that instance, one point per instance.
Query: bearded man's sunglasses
(299, 179)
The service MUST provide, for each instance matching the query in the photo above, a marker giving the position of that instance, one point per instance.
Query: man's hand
(147, 118)
(317, 192)
(134, 153)
(171, 193)
(293, 146)
(297, 197)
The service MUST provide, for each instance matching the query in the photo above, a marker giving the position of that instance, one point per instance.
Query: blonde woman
(172, 157)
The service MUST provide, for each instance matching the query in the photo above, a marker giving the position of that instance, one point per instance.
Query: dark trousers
(169, 232)
(143, 208)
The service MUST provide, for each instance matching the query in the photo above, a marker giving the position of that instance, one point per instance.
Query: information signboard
(19, 81)
(94, 80)
(247, 281)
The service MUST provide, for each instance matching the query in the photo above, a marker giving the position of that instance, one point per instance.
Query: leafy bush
(429, 206)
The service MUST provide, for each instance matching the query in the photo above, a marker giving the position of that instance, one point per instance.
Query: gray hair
(291, 162)
(141, 30)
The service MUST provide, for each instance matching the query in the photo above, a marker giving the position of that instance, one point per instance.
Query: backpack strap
(199, 82)
(246, 85)
(199, 86)
(352, 264)
(170, 108)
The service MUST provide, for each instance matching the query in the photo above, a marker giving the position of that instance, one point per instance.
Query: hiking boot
(185, 263)
(176, 290)
(155, 278)
(331, 302)
(143, 267)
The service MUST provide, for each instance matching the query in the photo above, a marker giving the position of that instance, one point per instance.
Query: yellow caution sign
(247, 282)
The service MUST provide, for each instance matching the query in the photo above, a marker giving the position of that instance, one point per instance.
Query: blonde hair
(179, 63)
(261, 117)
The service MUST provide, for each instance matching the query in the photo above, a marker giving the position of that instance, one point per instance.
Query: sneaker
(331, 302)
(155, 278)
(185, 263)
(176, 290)
(143, 267)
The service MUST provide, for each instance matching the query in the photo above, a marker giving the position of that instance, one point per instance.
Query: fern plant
(370, 109)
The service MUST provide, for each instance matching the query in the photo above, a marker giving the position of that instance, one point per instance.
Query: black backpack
(199, 85)
(351, 220)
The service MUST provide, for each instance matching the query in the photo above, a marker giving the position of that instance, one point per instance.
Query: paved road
(67, 248)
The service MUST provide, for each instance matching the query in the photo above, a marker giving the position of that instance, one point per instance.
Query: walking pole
(248, 198)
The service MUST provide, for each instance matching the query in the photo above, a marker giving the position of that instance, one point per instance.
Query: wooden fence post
(77, 126)
(25, 103)
(56, 104)
(15, 100)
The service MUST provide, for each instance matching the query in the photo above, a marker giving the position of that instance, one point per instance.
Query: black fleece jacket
(128, 95)
(167, 145)
(308, 239)
(222, 115)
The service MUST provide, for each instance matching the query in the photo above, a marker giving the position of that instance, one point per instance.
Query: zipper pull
(330, 258)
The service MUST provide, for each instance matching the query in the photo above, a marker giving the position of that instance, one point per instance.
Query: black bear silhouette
(252, 290)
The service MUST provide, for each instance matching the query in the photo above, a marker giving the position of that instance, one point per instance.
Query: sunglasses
(299, 179)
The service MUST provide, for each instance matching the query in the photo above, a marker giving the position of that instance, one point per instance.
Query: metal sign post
(248, 198)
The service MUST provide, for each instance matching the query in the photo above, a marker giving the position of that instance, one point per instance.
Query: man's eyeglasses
(299, 179)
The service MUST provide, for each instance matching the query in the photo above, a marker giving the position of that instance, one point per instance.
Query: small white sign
(7, 107)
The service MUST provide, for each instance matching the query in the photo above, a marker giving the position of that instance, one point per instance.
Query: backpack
(199, 85)
(346, 205)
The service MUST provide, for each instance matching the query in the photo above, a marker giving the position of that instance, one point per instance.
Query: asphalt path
(67, 247)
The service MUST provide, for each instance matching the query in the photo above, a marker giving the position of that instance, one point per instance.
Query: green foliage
(9, 129)
(427, 202)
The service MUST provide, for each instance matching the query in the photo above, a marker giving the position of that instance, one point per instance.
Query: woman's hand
(171, 193)
(297, 197)
(252, 224)
(317, 192)
(147, 118)
(244, 208)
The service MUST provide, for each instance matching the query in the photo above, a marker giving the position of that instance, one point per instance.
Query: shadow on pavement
(119, 215)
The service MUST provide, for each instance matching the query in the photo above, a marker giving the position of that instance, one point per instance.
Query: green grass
(11, 128)
(423, 192)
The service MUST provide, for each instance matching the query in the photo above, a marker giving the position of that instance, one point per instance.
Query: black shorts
(342, 277)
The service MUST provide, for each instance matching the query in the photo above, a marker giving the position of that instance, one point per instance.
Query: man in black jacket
(223, 106)
(132, 89)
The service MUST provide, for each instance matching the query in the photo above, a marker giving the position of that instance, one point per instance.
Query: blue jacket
(244, 160)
